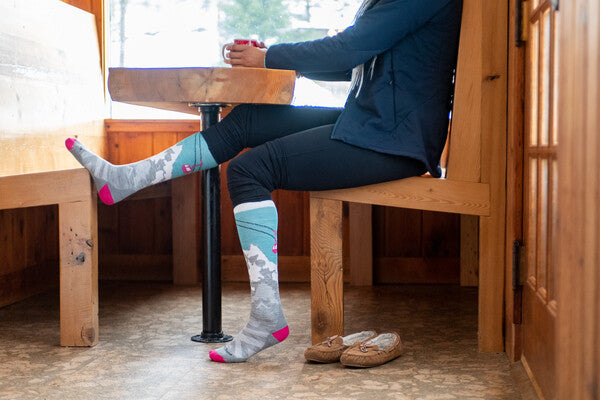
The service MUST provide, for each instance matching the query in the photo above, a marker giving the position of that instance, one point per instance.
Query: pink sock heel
(282, 334)
(106, 196)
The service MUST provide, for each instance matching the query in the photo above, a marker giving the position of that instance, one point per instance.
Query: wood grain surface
(51, 85)
(326, 276)
(423, 193)
(173, 88)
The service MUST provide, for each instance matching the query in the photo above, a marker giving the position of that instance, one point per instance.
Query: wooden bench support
(360, 246)
(327, 282)
(184, 191)
(78, 273)
(76, 197)
(469, 250)
(327, 274)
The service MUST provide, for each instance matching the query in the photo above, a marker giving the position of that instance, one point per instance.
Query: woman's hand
(246, 56)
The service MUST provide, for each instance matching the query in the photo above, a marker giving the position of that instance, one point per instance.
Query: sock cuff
(253, 206)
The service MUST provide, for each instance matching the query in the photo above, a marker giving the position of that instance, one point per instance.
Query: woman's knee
(250, 177)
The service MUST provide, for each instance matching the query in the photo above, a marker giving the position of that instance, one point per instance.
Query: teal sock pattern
(116, 182)
(267, 326)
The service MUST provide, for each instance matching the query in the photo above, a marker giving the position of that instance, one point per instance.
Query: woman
(400, 55)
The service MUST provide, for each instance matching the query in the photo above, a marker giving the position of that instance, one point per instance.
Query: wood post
(493, 171)
(78, 272)
(469, 250)
(184, 192)
(327, 283)
(360, 239)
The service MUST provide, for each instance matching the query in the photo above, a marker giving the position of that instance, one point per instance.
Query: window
(187, 33)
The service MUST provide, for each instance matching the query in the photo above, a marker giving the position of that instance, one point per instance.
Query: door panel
(540, 195)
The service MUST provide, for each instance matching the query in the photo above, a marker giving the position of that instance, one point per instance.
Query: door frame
(514, 182)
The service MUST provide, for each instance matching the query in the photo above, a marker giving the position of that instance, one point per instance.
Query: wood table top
(175, 89)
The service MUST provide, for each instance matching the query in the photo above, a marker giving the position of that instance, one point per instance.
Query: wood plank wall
(410, 246)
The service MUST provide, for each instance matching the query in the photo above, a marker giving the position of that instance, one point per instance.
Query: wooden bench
(52, 88)
(474, 185)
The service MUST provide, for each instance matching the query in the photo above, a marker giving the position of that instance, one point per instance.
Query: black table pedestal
(211, 216)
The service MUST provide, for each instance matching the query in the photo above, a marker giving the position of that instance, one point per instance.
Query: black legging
(291, 149)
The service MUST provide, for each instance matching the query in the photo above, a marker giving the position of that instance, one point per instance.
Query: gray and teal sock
(267, 326)
(116, 182)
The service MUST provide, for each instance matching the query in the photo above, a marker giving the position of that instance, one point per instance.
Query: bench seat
(422, 193)
(475, 187)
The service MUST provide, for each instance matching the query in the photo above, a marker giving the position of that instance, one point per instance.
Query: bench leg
(491, 284)
(469, 250)
(78, 232)
(326, 276)
(184, 192)
(360, 247)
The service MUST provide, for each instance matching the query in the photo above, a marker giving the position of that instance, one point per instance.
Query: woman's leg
(311, 160)
(246, 126)
(257, 229)
(308, 160)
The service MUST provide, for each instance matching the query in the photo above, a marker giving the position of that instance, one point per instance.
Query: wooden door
(578, 339)
(540, 195)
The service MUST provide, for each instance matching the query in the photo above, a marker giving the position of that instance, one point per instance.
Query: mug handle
(223, 50)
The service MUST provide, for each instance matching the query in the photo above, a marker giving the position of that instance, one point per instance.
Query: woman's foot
(251, 340)
(116, 182)
(267, 326)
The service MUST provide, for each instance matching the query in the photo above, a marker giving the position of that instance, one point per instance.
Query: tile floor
(145, 350)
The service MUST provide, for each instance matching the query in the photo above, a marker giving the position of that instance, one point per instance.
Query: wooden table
(204, 91)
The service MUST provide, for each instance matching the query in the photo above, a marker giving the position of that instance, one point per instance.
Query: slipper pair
(363, 349)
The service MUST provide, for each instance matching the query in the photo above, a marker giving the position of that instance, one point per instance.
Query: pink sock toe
(70, 142)
(282, 334)
(105, 195)
(215, 356)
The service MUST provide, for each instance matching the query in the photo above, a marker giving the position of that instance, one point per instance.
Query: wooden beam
(360, 244)
(326, 275)
(494, 88)
(469, 250)
(78, 273)
(421, 193)
(465, 158)
(185, 229)
(514, 183)
(45, 188)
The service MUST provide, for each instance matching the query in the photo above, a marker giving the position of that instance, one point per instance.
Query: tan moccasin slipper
(332, 348)
(370, 353)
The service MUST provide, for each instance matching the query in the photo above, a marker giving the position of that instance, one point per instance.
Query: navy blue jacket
(403, 109)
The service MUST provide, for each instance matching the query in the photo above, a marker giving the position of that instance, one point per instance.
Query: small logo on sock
(186, 168)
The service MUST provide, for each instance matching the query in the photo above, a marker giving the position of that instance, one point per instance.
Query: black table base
(211, 270)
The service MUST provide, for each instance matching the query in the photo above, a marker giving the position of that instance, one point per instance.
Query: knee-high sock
(116, 182)
(267, 326)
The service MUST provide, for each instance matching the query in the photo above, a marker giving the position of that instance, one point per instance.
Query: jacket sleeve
(377, 30)
(329, 76)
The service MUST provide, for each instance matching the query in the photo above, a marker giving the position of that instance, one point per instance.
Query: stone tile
(145, 350)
